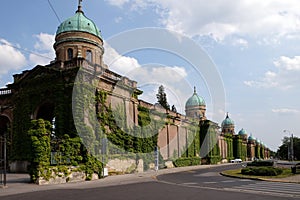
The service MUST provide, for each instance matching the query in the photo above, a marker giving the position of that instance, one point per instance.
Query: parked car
(237, 160)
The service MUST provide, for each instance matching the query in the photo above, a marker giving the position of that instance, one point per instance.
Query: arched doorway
(45, 111)
(4, 137)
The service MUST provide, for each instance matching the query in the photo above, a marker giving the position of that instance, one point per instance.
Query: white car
(237, 160)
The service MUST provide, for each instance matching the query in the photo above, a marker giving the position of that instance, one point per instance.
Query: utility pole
(292, 147)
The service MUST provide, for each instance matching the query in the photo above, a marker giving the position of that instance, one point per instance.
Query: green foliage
(260, 163)
(162, 98)
(262, 171)
(40, 142)
(188, 161)
(282, 152)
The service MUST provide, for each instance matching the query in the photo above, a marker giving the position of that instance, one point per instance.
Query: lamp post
(3, 141)
(291, 146)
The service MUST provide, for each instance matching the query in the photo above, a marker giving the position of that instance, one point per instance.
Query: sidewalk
(19, 183)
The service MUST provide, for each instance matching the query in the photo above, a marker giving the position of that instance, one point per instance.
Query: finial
(227, 115)
(194, 89)
(79, 6)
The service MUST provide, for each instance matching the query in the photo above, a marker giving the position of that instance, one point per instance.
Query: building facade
(47, 92)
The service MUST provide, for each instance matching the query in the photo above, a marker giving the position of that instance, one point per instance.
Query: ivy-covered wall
(210, 150)
(42, 86)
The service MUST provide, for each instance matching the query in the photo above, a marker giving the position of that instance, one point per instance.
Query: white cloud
(10, 57)
(290, 64)
(241, 42)
(118, 3)
(269, 19)
(44, 51)
(286, 76)
(285, 111)
(116, 62)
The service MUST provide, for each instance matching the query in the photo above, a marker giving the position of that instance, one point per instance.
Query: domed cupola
(227, 125)
(79, 22)
(251, 138)
(243, 133)
(195, 106)
(78, 36)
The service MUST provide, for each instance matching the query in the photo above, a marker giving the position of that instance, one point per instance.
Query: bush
(260, 163)
(262, 171)
(181, 162)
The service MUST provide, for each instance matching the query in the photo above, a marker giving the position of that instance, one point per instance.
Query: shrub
(262, 171)
(260, 163)
(181, 162)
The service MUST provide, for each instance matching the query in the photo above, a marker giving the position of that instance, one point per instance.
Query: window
(89, 55)
(70, 54)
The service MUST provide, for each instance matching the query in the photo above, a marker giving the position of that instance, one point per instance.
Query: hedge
(262, 171)
(261, 163)
(189, 161)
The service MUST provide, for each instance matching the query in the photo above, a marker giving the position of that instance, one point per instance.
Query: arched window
(70, 54)
(89, 55)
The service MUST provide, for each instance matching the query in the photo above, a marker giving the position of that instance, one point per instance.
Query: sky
(247, 53)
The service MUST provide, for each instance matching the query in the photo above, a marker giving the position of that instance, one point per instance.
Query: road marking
(229, 181)
(209, 182)
(245, 180)
(271, 187)
(208, 174)
(191, 183)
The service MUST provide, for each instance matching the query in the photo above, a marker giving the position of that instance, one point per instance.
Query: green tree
(283, 149)
(162, 97)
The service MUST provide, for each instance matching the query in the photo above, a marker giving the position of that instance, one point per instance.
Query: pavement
(19, 183)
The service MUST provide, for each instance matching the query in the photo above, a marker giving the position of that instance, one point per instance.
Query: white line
(228, 181)
(268, 189)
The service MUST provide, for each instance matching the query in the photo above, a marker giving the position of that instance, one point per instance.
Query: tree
(283, 151)
(162, 97)
(174, 109)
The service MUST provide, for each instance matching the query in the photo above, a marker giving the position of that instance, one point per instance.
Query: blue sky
(254, 45)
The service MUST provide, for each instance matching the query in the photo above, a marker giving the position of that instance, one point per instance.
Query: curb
(260, 179)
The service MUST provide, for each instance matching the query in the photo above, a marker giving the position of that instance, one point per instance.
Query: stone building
(46, 92)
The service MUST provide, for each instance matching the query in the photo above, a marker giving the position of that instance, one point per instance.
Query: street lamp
(3, 141)
(291, 147)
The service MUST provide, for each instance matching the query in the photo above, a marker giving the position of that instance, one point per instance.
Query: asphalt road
(211, 179)
(189, 185)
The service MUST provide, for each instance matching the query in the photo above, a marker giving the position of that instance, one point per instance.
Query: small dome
(251, 138)
(195, 100)
(79, 22)
(258, 141)
(242, 132)
(227, 121)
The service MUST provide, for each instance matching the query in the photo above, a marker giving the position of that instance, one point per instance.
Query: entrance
(4, 123)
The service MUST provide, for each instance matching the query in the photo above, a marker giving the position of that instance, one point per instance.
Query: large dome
(79, 22)
(195, 100)
(251, 138)
(227, 121)
(242, 132)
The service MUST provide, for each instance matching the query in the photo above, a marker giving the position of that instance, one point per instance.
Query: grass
(237, 173)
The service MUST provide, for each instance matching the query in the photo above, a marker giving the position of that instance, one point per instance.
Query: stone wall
(124, 166)
(54, 176)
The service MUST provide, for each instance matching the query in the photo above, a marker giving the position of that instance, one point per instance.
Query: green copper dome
(242, 132)
(79, 22)
(251, 138)
(227, 121)
(195, 100)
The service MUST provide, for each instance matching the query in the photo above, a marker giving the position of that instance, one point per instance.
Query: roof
(251, 138)
(242, 132)
(195, 100)
(227, 121)
(79, 22)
